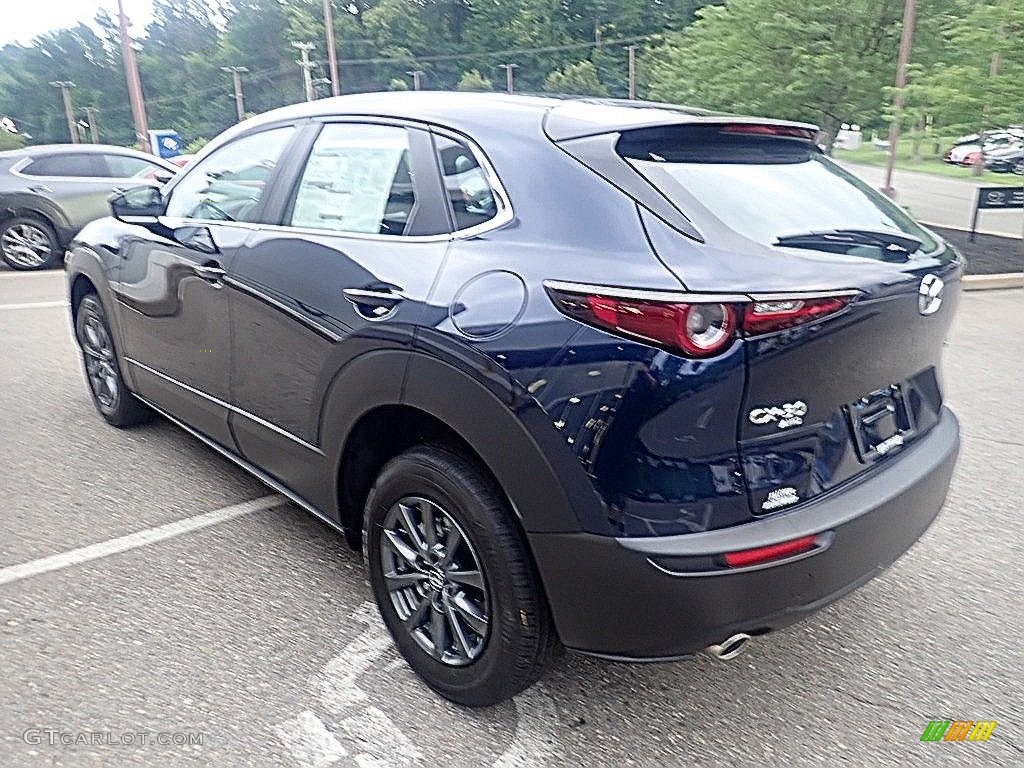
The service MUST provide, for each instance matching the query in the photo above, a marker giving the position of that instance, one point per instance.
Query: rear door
(345, 272)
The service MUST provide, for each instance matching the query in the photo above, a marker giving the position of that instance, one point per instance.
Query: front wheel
(106, 385)
(453, 579)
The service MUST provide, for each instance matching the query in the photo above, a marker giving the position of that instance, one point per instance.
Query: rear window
(764, 187)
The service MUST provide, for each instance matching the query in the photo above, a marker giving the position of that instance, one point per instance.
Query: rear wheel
(106, 385)
(453, 580)
(28, 242)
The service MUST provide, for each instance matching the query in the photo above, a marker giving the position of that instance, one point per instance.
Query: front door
(170, 286)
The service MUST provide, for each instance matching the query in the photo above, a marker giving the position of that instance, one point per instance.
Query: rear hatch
(849, 299)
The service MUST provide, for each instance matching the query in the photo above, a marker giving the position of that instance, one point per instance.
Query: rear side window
(465, 182)
(69, 164)
(765, 187)
(127, 167)
(357, 179)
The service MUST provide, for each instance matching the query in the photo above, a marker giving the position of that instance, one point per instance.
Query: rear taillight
(690, 329)
(765, 316)
(688, 324)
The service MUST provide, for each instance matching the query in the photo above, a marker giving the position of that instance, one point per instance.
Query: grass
(929, 162)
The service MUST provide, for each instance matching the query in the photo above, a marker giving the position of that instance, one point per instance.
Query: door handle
(41, 189)
(210, 271)
(374, 303)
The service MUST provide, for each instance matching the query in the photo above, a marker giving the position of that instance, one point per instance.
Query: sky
(39, 16)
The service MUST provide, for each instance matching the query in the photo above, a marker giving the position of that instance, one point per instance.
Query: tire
(109, 393)
(476, 662)
(28, 242)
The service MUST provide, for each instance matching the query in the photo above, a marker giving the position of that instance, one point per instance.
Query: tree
(474, 81)
(826, 61)
(579, 79)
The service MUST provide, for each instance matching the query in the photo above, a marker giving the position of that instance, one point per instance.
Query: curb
(993, 282)
(967, 230)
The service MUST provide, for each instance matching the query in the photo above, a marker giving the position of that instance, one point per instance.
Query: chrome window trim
(227, 406)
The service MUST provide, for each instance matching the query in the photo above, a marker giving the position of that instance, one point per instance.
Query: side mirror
(137, 202)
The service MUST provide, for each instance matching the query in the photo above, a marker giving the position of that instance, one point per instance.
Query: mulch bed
(989, 254)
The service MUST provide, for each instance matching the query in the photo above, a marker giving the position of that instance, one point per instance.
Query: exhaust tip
(729, 648)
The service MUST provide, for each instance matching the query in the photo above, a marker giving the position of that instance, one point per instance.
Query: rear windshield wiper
(892, 245)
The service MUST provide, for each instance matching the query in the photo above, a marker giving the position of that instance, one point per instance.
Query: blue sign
(165, 143)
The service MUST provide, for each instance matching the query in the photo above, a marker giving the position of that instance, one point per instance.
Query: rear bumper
(623, 598)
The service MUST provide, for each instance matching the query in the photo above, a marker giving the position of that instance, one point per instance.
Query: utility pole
(236, 76)
(94, 134)
(131, 73)
(416, 74)
(69, 114)
(508, 75)
(632, 70)
(332, 57)
(307, 65)
(906, 39)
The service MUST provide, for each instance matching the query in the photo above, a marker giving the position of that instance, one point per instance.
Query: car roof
(562, 117)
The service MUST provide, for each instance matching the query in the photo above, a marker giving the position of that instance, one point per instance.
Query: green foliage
(195, 145)
(398, 84)
(826, 61)
(474, 81)
(579, 79)
(816, 60)
(11, 140)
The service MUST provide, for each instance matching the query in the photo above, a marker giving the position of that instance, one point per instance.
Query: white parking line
(35, 305)
(134, 540)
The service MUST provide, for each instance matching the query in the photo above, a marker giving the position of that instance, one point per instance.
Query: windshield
(768, 188)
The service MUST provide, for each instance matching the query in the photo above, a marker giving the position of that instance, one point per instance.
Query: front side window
(357, 179)
(465, 182)
(65, 164)
(228, 184)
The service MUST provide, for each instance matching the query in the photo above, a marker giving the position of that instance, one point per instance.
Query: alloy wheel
(435, 581)
(27, 245)
(100, 362)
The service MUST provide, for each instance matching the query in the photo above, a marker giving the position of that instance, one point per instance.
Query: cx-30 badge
(785, 415)
(929, 295)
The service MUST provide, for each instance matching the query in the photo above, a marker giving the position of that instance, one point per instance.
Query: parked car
(1005, 160)
(623, 378)
(49, 192)
(965, 151)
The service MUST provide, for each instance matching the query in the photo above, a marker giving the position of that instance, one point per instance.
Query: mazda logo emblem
(929, 295)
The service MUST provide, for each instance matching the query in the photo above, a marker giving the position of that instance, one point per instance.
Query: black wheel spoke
(467, 578)
(462, 645)
(407, 553)
(438, 632)
(410, 526)
(415, 620)
(469, 613)
(397, 580)
(429, 529)
(451, 546)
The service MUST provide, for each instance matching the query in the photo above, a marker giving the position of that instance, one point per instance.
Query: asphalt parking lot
(247, 637)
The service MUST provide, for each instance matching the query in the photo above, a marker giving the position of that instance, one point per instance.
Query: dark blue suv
(628, 379)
